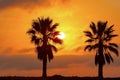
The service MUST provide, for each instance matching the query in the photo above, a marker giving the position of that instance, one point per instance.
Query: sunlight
(61, 35)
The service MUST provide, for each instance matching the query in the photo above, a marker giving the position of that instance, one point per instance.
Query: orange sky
(74, 16)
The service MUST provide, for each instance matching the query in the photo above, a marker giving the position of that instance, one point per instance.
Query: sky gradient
(17, 54)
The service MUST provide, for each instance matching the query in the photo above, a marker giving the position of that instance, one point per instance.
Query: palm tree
(43, 34)
(99, 39)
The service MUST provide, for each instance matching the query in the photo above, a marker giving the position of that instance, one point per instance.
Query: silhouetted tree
(42, 35)
(99, 39)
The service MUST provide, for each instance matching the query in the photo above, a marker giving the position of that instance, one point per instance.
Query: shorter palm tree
(99, 39)
(42, 33)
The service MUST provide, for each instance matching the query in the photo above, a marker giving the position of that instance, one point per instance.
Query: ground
(56, 77)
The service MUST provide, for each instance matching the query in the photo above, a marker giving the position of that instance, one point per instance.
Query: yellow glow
(61, 35)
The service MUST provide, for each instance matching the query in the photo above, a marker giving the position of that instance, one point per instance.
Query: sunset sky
(17, 53)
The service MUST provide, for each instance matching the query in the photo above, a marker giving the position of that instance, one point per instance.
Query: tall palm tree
(99, 39)
(43, 34)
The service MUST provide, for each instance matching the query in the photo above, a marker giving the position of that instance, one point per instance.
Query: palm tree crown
(42, 33)
(99, 39)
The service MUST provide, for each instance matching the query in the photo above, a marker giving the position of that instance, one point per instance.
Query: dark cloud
(28, 62)
(20, 3)
(28, 4)
(32, 63)
(66, 61)
(21, 62)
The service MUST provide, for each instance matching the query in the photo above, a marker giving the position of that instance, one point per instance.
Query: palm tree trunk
(44, 74)
(100, 71)
(45, 56)
(101, 60)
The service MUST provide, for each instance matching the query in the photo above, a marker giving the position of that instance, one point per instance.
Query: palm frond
(93, 27)
(54, 48)
(90, 36)
(49, 21)
(101, 27)
(110, 57)
(56, 33)
(107, 58)
(31, 31)
(53, 27)
(36, 26)
(113, 44)
(89, 47)
(108, 32)
(97, 57)
(95, 46)
(57, 40)
(43, 25)
(114, 50)
(102, 59)
(40, 50)
(49, 52)
(106, 39)
(110, 28)
(88, 33)
(105, 46)
(105, 24)
(35, 40)
(89, 40)
(111, 31)
(111, 36)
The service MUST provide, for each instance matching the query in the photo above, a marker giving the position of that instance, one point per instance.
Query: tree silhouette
(43, 34)
(99, 39)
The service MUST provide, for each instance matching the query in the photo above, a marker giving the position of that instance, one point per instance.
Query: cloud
(31, 62)
(6, 50)
(26, 50)
(66, 60)
(27, 4)
(20, 3)
(60, 64)
(28, 62)
(21, 62)
(18, 62)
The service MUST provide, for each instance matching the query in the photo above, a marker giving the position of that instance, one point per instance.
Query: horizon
(17, 53)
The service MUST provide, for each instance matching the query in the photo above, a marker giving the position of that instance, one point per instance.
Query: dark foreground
(55, 78)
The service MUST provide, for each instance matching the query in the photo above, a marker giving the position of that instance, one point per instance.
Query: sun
(61, 35)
